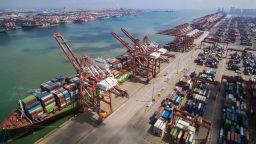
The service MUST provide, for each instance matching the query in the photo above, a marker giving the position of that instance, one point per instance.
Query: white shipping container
(191, 139)
(191, 129)
(62, 105)
(159, 127)
(199, 106)
(242, 131)
(180, 126)
(162, 129)
(156, 125)
(183, 122)
(180, 134)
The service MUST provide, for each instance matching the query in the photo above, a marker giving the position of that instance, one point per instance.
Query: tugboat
(2, 29)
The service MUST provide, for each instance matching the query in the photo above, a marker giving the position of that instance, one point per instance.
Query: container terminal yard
(199, 88)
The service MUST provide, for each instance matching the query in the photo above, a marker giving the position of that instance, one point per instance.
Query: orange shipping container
(161, 109)
(185, 136)
(228, 136)
(232, 136)
(172, 129)
(235, 137)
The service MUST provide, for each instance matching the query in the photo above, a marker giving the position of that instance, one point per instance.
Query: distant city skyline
(139, 4)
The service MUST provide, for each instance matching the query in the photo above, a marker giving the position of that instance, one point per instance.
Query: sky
(141, 4)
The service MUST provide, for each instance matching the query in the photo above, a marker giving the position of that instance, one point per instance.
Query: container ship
(85, 20)
(57, 98)
(30, 25)
(61, 95)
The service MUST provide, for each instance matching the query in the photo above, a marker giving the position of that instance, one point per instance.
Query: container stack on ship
(32, 106)
(58, 96)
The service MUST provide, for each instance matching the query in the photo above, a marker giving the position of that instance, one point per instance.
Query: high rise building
(235, 11)
(249, 12)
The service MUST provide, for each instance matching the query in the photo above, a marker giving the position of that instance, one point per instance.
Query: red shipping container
(70, 87)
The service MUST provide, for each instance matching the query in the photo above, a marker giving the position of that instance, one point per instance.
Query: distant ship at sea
(30, 25)
(163, 11)
(85, 20)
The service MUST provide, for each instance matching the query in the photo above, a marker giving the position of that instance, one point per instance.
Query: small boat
(2, 29)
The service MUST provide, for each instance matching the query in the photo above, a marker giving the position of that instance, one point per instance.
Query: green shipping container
(124, 77)
(50, 109)
(28, 98)
(175, 132)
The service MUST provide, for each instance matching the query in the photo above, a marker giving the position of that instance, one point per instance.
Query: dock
(130, 121)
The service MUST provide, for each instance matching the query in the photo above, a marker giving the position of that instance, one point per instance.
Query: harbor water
(30, 57)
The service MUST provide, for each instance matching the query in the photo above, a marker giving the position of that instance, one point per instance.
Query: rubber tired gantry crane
(212, 41)
(239, 50)
(197, 121)
(146, 63)
(96, 83)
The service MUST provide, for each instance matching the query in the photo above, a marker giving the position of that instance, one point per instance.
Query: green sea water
(30, 57)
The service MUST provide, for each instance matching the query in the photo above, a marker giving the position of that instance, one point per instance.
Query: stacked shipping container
(32, 107)
(48, 101)
(56, 94)
(188, 95)
(197, 100)
(181, 133)
(235, 127)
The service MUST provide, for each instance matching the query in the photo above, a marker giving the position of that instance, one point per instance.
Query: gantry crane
(145, 63)
(144, 47)
(91, 78)
(182, 42)
(149, 43)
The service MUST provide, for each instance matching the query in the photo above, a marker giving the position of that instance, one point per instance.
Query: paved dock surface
(118, 128)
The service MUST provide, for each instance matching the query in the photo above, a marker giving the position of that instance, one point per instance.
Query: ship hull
(29, 26)
(64, 112)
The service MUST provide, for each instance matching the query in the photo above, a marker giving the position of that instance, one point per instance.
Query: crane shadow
(137, 80)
